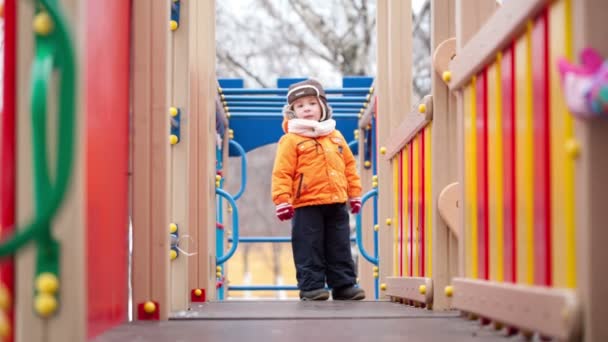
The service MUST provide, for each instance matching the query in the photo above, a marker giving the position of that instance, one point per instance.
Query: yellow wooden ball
(173, 25)
(198, 292)
(449, 291)
(43, 24)
(172, 228)
(172, 254)
(173, 139)
(47, 283)
(422, 289)
(149, 307)
(45, 304)
(383, 287)
(447, 76)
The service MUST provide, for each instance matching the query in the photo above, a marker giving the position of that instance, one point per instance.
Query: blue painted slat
(331, 99)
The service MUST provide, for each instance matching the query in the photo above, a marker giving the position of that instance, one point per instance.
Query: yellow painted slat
(563, 263)
(428, 234)
(524, 158)
(404, 203)
(416, 201)
(396, 241)
(495, 172)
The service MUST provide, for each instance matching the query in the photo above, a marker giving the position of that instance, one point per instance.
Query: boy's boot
(318, 294)
(348, 293)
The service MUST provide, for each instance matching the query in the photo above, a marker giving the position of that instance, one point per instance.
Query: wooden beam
(410, 126)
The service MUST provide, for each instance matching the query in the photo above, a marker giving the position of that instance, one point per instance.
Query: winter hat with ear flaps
(309, 87)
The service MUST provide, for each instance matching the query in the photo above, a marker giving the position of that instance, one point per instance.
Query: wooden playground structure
(489, 191)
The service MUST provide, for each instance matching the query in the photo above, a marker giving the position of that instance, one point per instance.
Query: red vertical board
(508, 124)
(7, 150)
(106, 95)
(400, 203)
(482, 175)
(410, 211)
(421, 220)
(542, 162)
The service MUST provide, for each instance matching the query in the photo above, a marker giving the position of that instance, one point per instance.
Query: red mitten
(284, 211)
(355, 205)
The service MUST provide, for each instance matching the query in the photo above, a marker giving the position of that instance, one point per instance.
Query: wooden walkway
(269, 321)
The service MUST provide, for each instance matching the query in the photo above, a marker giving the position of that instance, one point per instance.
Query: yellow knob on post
(173, 111)
(218, 274)
(149, 307)
(45, 304)
(360, 115)
(449, 291)
(198, 292)
(367, 163)
(218, 178)
(446, 76)
(47, 283)
(572, 148)
(172, 254)
(382, 150)
(173, 25)
(376, 227)
(374, 178)
(389, 221)
(375, 268)
(374, 184)
(422, 108)
(422, 289)
(375, 274)
(383, 287)
(172, 228)
(173, 139)
(43, 24)
(218, 268)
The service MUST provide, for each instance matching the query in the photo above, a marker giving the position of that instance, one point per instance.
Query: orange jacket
(312, 171)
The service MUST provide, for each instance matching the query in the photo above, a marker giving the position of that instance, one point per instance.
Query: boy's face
(307, 107)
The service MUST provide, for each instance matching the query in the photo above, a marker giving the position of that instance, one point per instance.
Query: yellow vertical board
(495, 170)
(470, 186)
(415, 204)
(474, 246)
(428, 205)
(404, 204)
(524, 155)
(396, 242)
(563, 236)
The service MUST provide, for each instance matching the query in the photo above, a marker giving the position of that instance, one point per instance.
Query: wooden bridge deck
(268, 321)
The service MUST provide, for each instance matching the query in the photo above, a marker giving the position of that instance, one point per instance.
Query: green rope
(54, 52)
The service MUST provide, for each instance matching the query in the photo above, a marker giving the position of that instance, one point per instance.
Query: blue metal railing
(283, 99)
(283, 91)
(271, 239)
(279, 105)
(235, 227)
(243, 155)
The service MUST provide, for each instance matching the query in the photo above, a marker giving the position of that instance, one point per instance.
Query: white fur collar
(310, 128)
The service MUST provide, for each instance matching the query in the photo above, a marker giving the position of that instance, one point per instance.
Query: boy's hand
(284, 211)
(355, 205)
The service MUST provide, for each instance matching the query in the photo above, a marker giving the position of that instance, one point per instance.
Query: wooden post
(443, 154)
(204, 83)
(69, 324)
(591, 168)
(150, 155)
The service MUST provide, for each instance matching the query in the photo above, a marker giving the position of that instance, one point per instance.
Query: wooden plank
(444, 157)
(179, 185)
(588, 24)
(503, 27)
(205, 61)
(28, 327)
(551, 312)
(140, 147)
(405, 202)
(508, 154)
(482, 173)
(524, 161)
(419, 289)
(411, 125)
(542, 174)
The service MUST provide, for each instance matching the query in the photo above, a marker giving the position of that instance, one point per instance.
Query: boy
(314, 175)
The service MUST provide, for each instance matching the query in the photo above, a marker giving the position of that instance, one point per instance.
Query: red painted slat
(410, 211)
(422, 215)
(7, 151)
(508, 112)
(542, 176)
(106, 96)
(482, 175)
